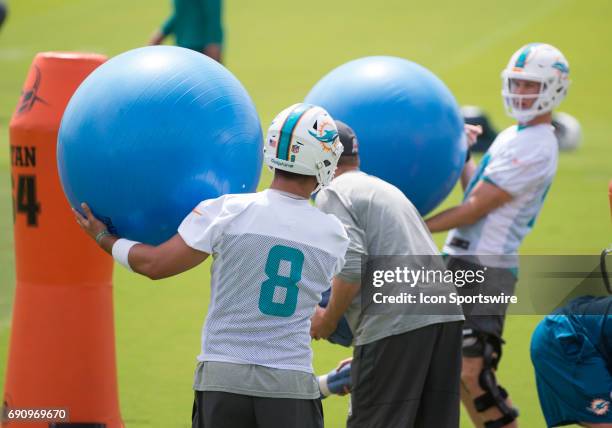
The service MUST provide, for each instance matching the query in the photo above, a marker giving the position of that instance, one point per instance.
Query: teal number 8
(267, 305)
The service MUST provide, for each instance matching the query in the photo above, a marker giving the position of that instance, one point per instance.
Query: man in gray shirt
(407, 364)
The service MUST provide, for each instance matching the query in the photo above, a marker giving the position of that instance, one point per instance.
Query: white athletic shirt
(274, 255)
(523, 162)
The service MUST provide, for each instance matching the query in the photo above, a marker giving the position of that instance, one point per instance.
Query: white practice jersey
(274, 255)
(523, 162)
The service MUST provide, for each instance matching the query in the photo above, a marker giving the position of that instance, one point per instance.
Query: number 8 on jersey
(268, 304)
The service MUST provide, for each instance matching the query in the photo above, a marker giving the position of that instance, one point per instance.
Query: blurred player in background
(406, 367)
(3, 12)
(195, 24)
(274, 255)
(503, 197)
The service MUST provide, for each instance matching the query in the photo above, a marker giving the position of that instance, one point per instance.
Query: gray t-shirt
(254, 380)
(379, 220)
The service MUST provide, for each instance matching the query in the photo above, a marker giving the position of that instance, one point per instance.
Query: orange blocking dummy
(62, 346)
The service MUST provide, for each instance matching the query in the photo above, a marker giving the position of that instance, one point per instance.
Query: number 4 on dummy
(24, 199)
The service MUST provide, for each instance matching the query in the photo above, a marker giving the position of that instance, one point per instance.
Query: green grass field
(279, 49)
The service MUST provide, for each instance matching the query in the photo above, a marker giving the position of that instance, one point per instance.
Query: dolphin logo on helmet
(326, 133)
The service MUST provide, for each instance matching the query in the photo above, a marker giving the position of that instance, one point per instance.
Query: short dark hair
(292, 175)
(348, 160)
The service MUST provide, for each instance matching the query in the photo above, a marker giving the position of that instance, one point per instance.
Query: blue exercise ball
(408, 124)
(151, 133)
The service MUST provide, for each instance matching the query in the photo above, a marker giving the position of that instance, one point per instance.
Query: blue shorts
(573, 382)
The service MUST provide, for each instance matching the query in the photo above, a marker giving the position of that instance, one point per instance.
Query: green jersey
(195, 23)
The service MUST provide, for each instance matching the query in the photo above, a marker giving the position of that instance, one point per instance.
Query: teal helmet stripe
(286, 132)
(520, 62)
(561, 67)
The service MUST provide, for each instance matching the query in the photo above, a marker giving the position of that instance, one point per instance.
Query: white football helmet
(540, 63)
(303, 139)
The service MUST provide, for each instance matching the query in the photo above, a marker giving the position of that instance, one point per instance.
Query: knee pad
(488, 347)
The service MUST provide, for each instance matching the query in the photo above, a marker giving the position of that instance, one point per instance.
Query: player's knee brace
(489, 348)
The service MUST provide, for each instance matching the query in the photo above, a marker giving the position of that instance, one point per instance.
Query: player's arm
(472, 132)
(156, 262)
(468, 172)
(167, 259)
(157, 38)
(324, 321)
(346, 282)
(166, 29)
(485, 197)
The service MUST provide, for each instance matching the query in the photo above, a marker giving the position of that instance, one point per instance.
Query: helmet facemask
(538, 63)
(326, 168)
(519, 106)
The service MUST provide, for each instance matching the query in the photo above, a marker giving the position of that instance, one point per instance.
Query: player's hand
(472, 132)
(347, 388)
(320, 326)
(213, 51)
(89, 223)
(157, 38)
(344, 363)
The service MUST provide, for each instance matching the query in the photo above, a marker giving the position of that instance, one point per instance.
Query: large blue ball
(151, 133)
(407, 122)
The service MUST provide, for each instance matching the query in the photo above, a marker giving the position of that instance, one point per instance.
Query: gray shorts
(408, 380)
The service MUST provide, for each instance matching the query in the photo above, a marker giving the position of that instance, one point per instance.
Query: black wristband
(468, 156)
